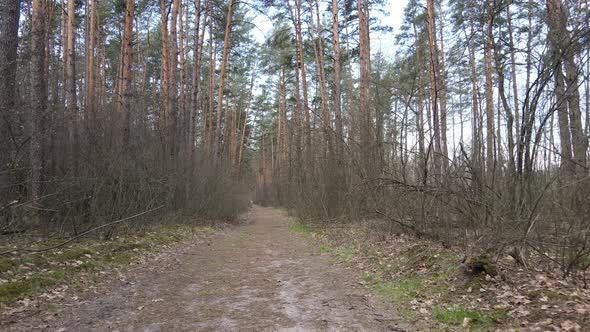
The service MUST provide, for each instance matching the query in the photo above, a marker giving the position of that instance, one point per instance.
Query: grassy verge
(420, 279)
(25, 276)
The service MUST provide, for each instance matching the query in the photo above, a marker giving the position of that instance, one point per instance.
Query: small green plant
(407, 314)
(52, 307)
(371, 278)
(344, 253)
(67, 265)
(455, 315)
(19, 289)
(399, 291)
(75, 253)
(300, 228)
(119, 258)
(6, 264)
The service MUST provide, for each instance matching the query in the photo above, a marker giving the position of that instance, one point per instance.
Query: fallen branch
(79, 235)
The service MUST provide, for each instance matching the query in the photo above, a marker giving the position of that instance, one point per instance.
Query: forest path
(257, 277)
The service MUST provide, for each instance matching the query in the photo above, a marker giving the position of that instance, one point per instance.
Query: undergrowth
(416, 278)
(30, 274)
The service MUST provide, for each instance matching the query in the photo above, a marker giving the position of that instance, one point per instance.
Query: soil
(255, 277)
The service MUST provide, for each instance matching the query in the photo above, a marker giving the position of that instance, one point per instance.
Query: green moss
(120, 258)
(407, 314)
(20, 289)
(71, 263)
(89, 266)
(344, 253)
(401, 290)
(52, 307)
(128, 246)
(455, 315)
(75, 253)
(6, 264)
(474, 283)
(300, 228)
(34, 260)
(371, 278)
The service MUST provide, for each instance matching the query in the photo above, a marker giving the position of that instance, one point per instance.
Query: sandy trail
(257, 277)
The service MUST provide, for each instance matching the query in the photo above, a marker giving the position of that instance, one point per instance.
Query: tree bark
(566, 91)
(226, 44)
(196, 92)
(326, 117)
(164, 118)
(38, 97)
(70, 83)
(489, 91)
(434, 83)
(296, 18)
(90, 50)
(475, 116)
(336, 91)
(367, 149)
(243, 134)
(173, 63)
(124, 111)
(9, 17)
(442, 94)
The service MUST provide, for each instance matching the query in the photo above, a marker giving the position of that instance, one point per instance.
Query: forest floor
(256, 277)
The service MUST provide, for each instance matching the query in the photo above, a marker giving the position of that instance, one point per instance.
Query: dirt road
(257, 277)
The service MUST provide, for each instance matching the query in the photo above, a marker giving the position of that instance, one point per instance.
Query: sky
(383, 42)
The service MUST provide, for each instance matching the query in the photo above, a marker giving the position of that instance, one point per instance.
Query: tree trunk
(326, 118)
(515, 116)
(124, 111)
(70, 83)
(296, 18)
(9, 13)
(173, 56)
(367, 149)
(38, 97)
(224, 59)
(212, 64)
(164, 118)
(489, 88)
(442, 95)
(475, 141)
(182, 109)
(566, 91)
(196, 93)
(91, 82)
(422, 167)
(336, 92)
(243, 135)
(434, 88)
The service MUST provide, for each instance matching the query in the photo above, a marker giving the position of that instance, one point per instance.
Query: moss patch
(300, 228)
(457, 315)
(17, 290)
(399, 291)
(32, 273)
(74, 253)
(344, 253)
(6, 264)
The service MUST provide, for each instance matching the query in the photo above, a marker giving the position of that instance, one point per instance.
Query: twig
(81, 234)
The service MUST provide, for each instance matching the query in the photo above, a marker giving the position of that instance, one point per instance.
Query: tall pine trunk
(124, 111)
(226, 44)
(38, 97)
